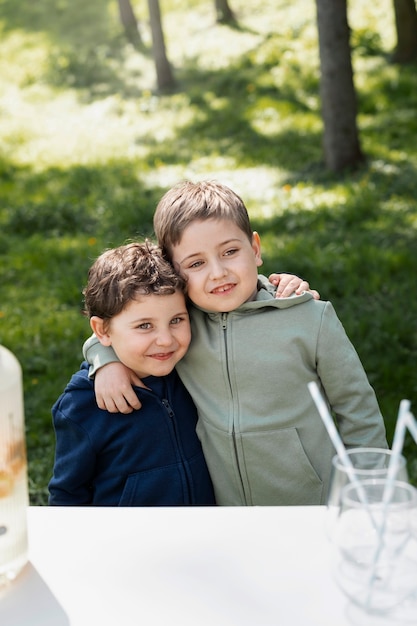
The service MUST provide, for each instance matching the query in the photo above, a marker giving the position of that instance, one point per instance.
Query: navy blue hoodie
(150, 457)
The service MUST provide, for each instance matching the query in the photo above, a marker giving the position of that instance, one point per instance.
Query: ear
(101, 330)
(256, 247)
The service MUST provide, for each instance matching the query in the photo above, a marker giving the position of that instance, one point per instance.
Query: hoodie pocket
(162, 486)
(277, 470)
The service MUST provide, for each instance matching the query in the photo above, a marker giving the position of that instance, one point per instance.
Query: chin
(226, 307)
(164, 370)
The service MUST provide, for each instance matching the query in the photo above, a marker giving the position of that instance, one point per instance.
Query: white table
(254, 566)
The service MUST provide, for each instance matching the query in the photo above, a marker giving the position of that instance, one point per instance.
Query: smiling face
(219, 262)
(150, 335)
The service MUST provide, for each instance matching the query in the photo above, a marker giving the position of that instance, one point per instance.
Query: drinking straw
(332, 430)
(338, 444)
(412, 425)
(397, 446)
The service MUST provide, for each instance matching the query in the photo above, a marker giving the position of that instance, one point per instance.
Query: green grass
(87, 147)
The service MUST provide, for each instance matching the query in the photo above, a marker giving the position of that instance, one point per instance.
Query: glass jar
(14, 498)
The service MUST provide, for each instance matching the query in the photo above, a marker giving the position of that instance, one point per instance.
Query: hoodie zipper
(224, 323)
(171, 416)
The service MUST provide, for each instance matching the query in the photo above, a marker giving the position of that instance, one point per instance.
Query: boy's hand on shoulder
(287, 284)
(113, 388)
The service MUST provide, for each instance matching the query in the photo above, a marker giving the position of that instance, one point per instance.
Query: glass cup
(367, 463)
(375, 552)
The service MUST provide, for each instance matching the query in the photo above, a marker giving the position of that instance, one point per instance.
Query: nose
(164, 337)
(217, 270)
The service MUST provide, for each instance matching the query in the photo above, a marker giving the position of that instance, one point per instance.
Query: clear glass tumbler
(13, 470)
(367, 463)
(374, 548)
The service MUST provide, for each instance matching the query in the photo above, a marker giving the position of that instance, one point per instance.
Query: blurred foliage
(88, 147)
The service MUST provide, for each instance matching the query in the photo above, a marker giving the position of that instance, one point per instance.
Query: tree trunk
(338, 97)
(164, 75)
(224, 13)
(130, 23)
(406, 26)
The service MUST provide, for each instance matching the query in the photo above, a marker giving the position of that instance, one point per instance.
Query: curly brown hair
(121, 274)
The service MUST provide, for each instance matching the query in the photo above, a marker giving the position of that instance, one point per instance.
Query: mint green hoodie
(247, 371)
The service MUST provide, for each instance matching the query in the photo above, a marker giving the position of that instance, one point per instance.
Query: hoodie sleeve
(74, 468)
(97, 355)
(346, 386)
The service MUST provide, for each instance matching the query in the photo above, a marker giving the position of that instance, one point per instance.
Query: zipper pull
(224, 321)
(168, 407)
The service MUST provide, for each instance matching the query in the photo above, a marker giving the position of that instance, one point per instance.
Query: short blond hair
(187, 202)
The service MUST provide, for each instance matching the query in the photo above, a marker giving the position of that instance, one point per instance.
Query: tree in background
(164, 74)
(406, 26)
(130, 23)
(338, 97)
(224, 13)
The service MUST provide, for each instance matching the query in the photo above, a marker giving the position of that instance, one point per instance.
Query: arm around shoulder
(97, 355)
(112, 380)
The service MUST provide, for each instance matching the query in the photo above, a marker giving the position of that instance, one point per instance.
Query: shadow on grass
(108, 201)
(88, 46)
(73, 21)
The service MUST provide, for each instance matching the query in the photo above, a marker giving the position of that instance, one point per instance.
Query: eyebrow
(143, 320)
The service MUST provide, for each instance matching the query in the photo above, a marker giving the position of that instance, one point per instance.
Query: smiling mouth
(223, 289)
(162, 356)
